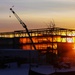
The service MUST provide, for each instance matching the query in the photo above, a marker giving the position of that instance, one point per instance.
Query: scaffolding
(43, 38)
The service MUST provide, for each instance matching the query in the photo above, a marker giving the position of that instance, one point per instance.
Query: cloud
(35, 9)
(40, 5)
(50, 5)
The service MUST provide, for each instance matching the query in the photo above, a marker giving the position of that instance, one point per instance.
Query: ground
(24, 69)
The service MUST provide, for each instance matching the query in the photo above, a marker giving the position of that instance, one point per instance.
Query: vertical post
(29, 60)
(52, 39)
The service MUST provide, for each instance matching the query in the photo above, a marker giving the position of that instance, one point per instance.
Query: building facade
(59, 40)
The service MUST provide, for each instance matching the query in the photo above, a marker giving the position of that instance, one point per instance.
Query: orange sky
(37, 14)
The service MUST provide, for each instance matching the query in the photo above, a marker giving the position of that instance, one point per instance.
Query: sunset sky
(37, 14)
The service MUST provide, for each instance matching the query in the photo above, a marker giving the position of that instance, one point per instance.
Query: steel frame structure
(42, 38)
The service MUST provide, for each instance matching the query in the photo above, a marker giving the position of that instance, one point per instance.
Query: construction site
(59, 40)
(54, 40)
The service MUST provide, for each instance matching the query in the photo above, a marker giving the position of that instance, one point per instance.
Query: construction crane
(24, 26)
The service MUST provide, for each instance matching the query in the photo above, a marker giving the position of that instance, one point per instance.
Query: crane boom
(24, 26)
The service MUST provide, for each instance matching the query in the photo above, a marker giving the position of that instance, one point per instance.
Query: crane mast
(24, 26)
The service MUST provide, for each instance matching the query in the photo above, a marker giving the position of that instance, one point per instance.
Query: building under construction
(52, 42)
(58, 40)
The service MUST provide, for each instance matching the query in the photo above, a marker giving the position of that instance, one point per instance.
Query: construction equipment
(24, 26)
